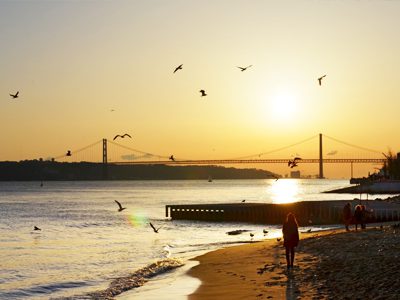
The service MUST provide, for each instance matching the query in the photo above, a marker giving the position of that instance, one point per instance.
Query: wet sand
(330, 264)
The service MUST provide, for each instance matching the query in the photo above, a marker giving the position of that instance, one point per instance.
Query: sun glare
(284, 191)
(283, 106)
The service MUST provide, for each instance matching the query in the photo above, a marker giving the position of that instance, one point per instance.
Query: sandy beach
(330, 264)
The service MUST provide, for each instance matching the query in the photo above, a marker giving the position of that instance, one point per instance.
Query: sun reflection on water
(285, 191)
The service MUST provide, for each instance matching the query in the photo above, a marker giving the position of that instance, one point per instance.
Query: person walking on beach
(358, 216)
(347, 215)
(290, 232)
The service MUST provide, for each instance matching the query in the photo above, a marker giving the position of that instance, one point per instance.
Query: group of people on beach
(290, 228)
(360, 216)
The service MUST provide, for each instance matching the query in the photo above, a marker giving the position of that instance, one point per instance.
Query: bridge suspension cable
(276, 150)
(352, 145)
(78, 150)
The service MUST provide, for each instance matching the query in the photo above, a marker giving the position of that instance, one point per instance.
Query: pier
(307, 212)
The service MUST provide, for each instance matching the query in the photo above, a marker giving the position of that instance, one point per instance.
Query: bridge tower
(105, 168)
(321, 164)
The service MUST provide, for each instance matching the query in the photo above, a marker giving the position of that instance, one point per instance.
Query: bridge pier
(321, 164)
(105, 166)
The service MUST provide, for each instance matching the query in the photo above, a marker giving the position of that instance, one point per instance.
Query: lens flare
(137, 219)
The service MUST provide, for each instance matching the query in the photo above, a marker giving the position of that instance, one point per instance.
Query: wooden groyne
(307, 212)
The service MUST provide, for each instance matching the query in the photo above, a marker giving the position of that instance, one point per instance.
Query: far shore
(332, 264)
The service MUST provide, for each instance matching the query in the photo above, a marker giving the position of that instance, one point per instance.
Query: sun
(283, 106)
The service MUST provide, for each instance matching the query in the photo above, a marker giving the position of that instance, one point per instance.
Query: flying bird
(244, 200)
(155, 229)
(15, 96)
(251, 234)
(178, 68)
(121, 136)
(320, 79)
(203, 93)
(171, 158)
(120, 206)
(293, 163)
(68, 153)
(244, 68)
(36, 228)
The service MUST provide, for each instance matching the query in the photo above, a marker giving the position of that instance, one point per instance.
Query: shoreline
(329, 264)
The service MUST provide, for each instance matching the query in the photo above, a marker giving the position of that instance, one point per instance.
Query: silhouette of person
(347, 215)
(290, 232)
(358, 215)
(364, 216)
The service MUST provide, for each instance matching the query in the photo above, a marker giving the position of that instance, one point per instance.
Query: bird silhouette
(278, 239)
(203, 93)
(309, 230)
(293, 163)
(320, 79)
(251, 235)
(120, 206)
(155, 229)
(68, 153)
(244, 68)
(15, 96)
(36, 228)
(121, 136)
(171, 158)
(265, 231)
(178, 68)
(244, 200)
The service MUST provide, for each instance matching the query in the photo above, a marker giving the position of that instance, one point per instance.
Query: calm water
(85, 242)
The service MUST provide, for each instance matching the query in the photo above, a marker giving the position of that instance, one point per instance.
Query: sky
(88, 70)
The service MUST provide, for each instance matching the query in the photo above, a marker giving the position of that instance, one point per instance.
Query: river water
(84, 242)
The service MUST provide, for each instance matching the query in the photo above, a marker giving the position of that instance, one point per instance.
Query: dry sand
(329, 265)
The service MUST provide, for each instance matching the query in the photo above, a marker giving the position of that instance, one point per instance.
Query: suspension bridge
(109, 152)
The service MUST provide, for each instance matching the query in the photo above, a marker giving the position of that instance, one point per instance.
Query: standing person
(290, 238)
(358, 216)
(347, 215)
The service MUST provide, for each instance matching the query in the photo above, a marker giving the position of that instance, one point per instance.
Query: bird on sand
(68, 153)
(120, 206)
(15, 96)
(155, 229)
(320, 79)
(203, 93)
(171, 158)
(178, 68)
(121, 136)
(36, 228)
(244, 68)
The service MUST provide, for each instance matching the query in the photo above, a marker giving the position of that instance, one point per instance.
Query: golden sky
(74, 61)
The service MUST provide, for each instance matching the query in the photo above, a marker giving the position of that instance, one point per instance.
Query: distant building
(295, 174)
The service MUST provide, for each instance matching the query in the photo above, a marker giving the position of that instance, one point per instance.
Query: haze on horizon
(73, 62)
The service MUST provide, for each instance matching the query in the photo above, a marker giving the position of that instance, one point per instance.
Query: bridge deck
(307, 212)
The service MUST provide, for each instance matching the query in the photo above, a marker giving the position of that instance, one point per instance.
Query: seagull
(203, 93)
(178, 68)
(155, 229)
(121, 136)
(244, 200)
(171, 158)
(309, 230)
(265, 231)
(278, 239)
(320, 79)
(36, 228)
(15, 96)
(293, 163)
(120, 206)
(251, 234)
(244, 68)
(68, 153)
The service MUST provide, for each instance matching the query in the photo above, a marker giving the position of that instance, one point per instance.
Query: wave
(134, 280)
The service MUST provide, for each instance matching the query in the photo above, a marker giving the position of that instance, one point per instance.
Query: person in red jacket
(290, 238)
